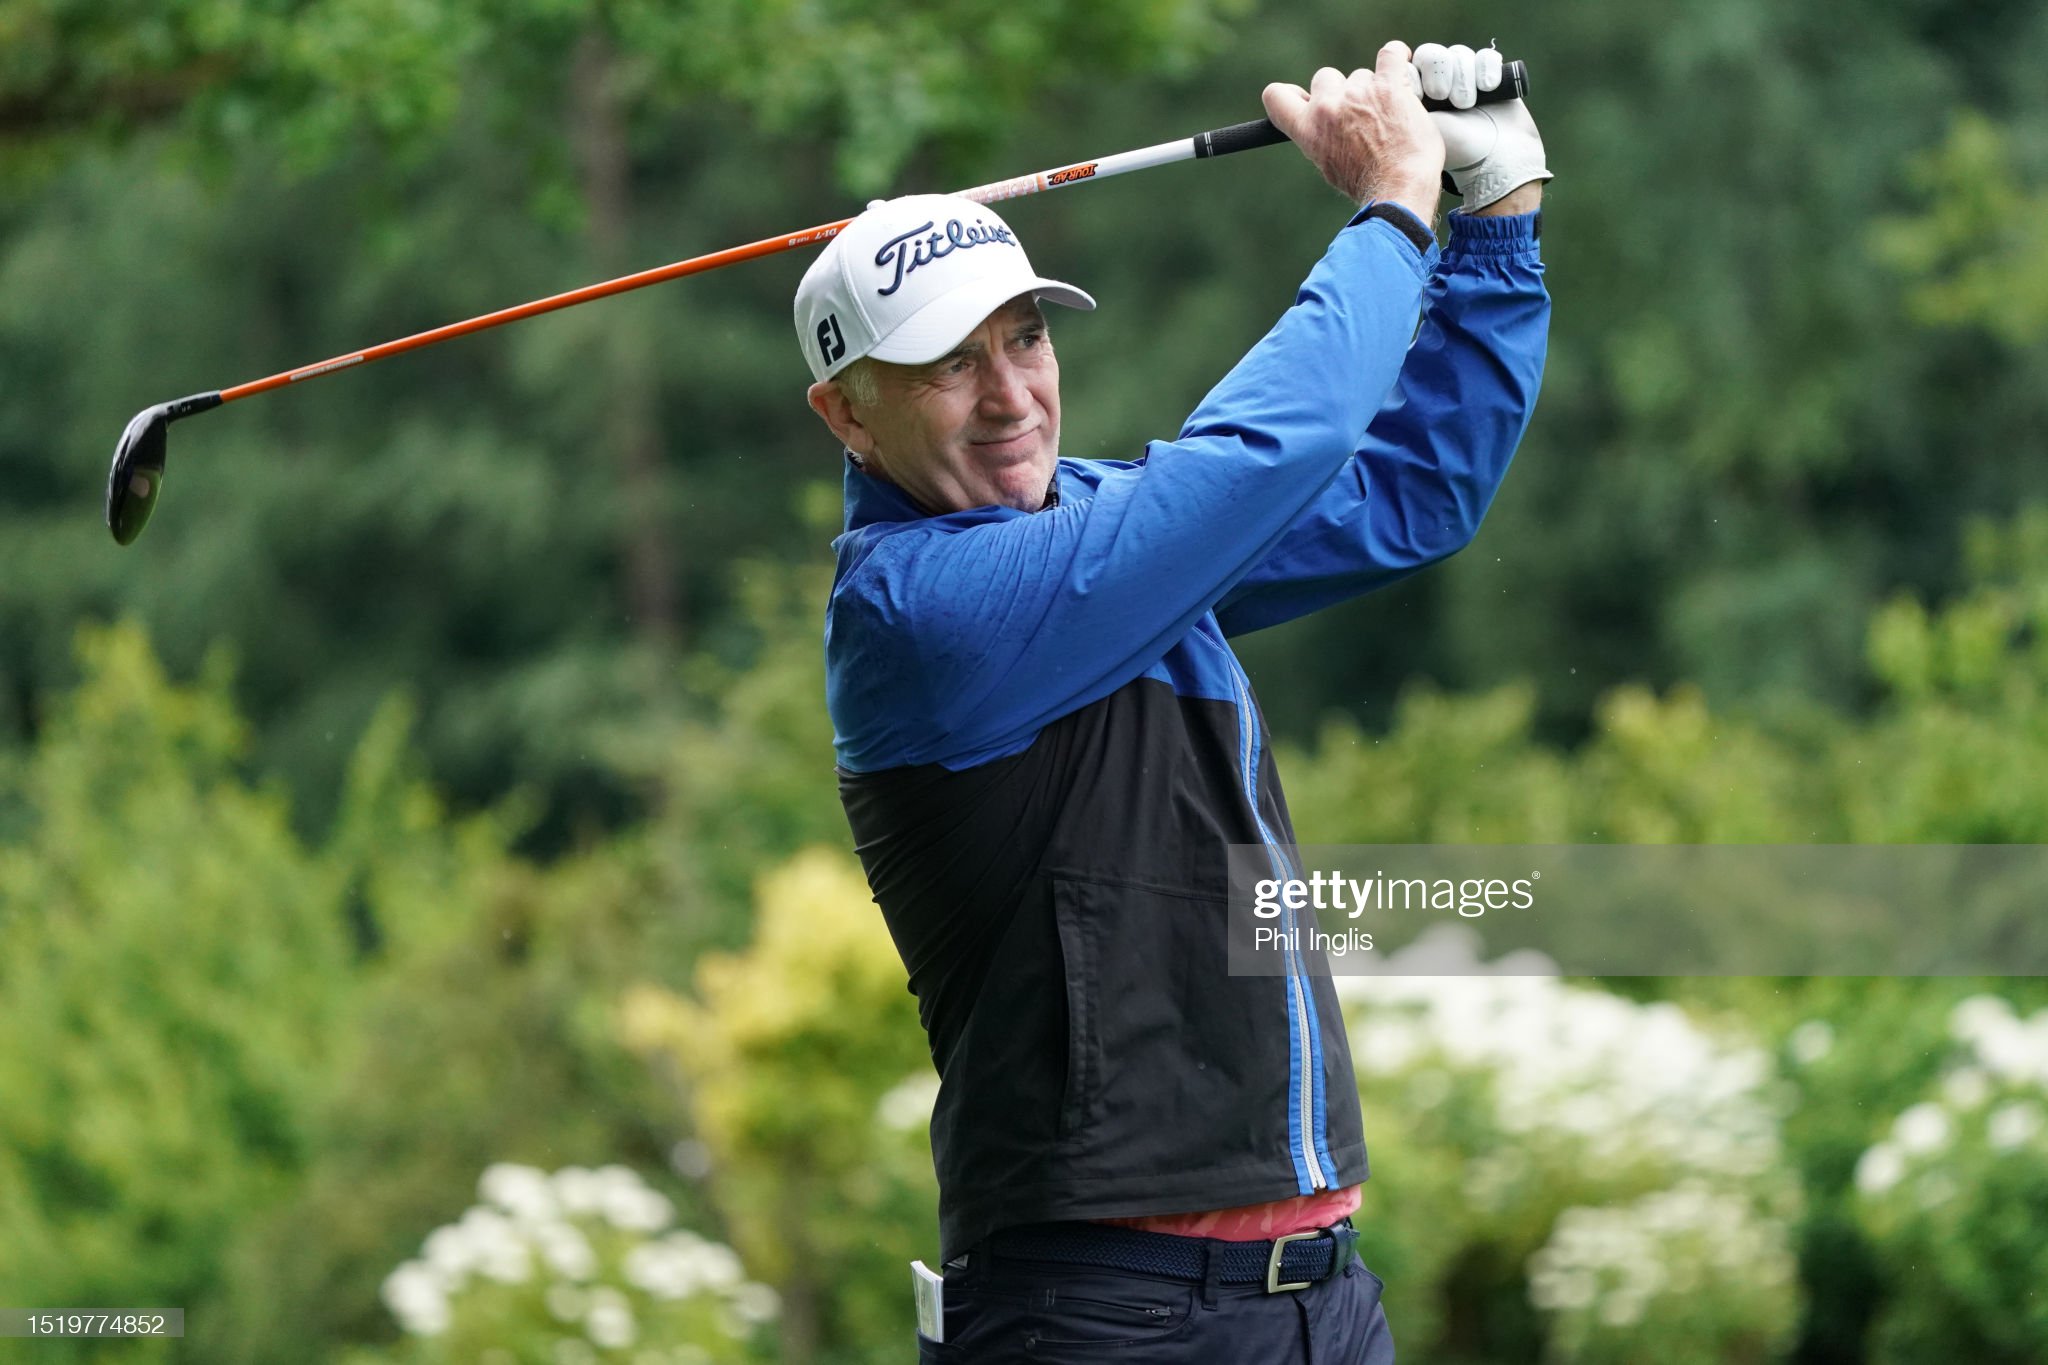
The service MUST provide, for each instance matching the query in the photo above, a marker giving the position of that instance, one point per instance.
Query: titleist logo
(921, 246)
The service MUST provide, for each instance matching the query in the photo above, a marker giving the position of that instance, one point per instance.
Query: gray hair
(860, 383)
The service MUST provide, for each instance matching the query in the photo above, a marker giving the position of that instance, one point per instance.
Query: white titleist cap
(911, 277)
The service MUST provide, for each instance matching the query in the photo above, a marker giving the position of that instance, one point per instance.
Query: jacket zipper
(1305, 1097)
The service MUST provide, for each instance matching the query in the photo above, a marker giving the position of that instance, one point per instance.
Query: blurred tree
(513, 524)
(1975, 253)
(176, 974)
(574, 85)
(494, 1046)
(218, 1037)
(1745, 439)
(750, 782)
(811, 1084)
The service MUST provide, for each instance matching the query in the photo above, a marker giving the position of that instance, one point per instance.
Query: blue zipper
(1307, 1141)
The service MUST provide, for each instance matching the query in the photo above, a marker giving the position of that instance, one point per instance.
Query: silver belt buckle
(1273, 1285)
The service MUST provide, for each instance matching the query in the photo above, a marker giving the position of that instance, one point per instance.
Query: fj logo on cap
(831, 342)
(921, 246)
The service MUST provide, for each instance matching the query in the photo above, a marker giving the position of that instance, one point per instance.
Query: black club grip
(1260, 132)
(1238, 137)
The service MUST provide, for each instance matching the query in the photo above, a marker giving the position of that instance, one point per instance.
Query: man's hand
(1367, 133)
(1490, 151)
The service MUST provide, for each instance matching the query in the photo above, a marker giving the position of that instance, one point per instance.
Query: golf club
(137, 475)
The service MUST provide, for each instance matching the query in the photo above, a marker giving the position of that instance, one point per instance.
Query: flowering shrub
(1622, 1157)
(575, 1268)
(810, 1085)
(1955, 1197)
(1685, 1274)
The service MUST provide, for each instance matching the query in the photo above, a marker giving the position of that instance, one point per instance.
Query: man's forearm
(1527, 199)
(1436, 452)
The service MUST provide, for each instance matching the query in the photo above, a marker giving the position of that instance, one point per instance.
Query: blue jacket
(1045, 742)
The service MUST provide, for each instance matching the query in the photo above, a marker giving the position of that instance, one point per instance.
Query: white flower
(1882, 1167)
(579, 1190)
(450, 1252)
(1559, 1290)
(1922, 1129)
(493, 1245)
(711, 1264)
(565, 1250)
(2008, 1051)
(908, 1104)
(1979, 1015)
(415, 1297)
(1966, 1088)
(610, 1321)
(522, 1191)
(659, 1270)
(2014, 1124)
(507, 1262)
(1623, 1080)
(638, 1210)
(1811, 1041)
(755, 1303)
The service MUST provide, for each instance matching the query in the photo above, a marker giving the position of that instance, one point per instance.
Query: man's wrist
(1419, 232)
(1418, 198)
(1522, 199)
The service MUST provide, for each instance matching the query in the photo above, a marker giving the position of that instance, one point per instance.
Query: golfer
(1045, 743)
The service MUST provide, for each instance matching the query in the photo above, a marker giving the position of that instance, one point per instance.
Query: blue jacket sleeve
(1434, 456)
(956, 638)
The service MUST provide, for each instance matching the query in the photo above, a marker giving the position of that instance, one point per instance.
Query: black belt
(1294, 1261)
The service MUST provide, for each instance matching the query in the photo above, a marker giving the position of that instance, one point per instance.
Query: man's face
(978, 426)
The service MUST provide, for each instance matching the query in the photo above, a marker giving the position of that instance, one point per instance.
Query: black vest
(1061, 913)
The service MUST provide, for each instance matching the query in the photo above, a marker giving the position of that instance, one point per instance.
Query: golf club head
(137, 475)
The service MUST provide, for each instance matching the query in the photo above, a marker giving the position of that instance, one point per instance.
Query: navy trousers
(1003, 1311)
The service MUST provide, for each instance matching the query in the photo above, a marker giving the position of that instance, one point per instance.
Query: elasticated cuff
(1494, 234)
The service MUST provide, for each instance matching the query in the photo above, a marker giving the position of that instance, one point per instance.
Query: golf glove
(1488, 150)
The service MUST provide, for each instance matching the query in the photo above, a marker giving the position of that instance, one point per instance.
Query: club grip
(1238, 137)
(1260, 132)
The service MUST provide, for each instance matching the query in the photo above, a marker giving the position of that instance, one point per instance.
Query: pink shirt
(1254, 1222)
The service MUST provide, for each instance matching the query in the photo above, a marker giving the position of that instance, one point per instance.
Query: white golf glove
(1488, 150)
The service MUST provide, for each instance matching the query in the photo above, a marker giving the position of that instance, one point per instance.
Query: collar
(870, 500)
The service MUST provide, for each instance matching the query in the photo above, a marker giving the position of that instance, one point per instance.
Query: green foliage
(298, 74)
(1954, 1194)
(750, 781)
(175, 976)
(1747, 441)
(1959, 739)
(1974, 252)
(269, 1006)
(885, 78)
(219, 1036)
(881, 79)
(810, 1084)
